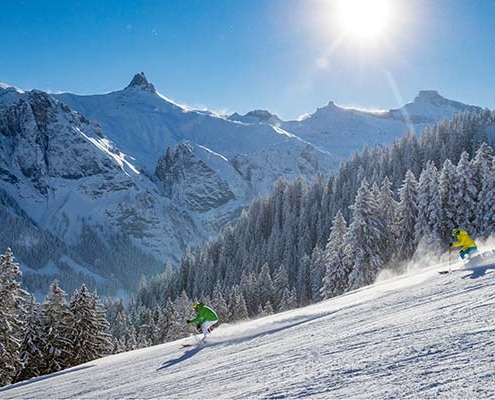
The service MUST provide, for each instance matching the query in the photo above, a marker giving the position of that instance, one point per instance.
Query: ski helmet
(195, 306)
(454, 232)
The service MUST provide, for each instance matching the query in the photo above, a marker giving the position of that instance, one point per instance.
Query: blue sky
(286, 56)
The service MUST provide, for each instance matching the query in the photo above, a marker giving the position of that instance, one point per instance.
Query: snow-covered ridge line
(6, 86)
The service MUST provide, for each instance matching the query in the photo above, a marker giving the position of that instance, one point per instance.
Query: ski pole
(450, 251)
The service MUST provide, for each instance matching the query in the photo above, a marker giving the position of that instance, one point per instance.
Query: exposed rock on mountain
(188, 180)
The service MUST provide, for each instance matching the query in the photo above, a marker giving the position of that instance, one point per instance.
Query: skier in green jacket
(205, 318)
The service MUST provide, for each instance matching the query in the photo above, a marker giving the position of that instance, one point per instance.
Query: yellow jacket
(464, 241)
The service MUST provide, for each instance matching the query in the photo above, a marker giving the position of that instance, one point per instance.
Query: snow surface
(419, 335)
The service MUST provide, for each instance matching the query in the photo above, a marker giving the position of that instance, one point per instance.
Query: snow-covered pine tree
(365, 234)
(219, 304)
(179, 312)
(466, 193)
(407, 216)
(316, 273)
(265, 289)
(387, 207)
(486, 211)
(429, 223)
(103, 339)
(145, 327)
(447, 191)
(335, 280)
(280, 283)
(237, 305)
(303, 281)
(483, 165)
(32, 344)
(266, 310)
(248, 288)
(56, 330)
(12, 300)
(288, 300)
(90, 339)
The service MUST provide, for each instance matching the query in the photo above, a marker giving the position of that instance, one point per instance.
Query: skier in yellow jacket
(468, 246)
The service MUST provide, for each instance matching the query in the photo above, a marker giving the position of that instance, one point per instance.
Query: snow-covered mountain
(132, 165)
(144, 124)
(417, 336)
(344, 131)
(61, 175)
(69, 175)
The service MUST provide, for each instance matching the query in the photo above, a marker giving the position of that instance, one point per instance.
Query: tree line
(38, 339)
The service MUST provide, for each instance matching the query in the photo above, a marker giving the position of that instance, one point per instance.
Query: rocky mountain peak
(256, 116)
(430, 96)
(262, 115)
(141, 83)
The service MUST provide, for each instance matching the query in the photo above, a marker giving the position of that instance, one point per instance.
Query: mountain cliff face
(189, 181)
(42, 139)
(121, 183)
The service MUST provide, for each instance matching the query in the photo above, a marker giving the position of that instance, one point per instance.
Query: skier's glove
(450, 244)
(188, 321)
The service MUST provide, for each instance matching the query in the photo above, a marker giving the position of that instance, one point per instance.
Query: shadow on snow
(479, 271)
(183, 357)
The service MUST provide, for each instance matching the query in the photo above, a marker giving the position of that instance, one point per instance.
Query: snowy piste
(420, 335)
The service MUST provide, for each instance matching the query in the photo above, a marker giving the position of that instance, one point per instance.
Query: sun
(364, 19)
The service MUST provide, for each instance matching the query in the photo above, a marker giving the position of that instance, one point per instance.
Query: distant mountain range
(135, 165)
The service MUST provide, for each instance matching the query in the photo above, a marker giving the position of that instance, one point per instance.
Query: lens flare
(364, 19)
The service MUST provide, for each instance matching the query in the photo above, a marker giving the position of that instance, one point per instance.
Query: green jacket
(205, 313)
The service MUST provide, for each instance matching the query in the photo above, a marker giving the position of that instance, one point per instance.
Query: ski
(450, 271)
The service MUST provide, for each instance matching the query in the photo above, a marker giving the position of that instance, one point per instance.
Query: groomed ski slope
(417, 336)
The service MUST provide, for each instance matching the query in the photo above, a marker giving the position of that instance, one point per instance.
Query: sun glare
(364, 19)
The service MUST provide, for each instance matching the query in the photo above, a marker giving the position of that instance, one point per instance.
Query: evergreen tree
(288, 300)
(31, 352)
(57, 330)
(264, 286)
(335, 280)
(181, 310)
(303, 283)
(90, 339)
(429, 223)
(145, 327)
(237, 305)
(447, 192)
(12, 298)
(387, 208)
(486, 212)
(466, 193)
(365, 234)
(281, 284)
(317, 272)
(219, 304)
(484, 173)
(407, 217)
